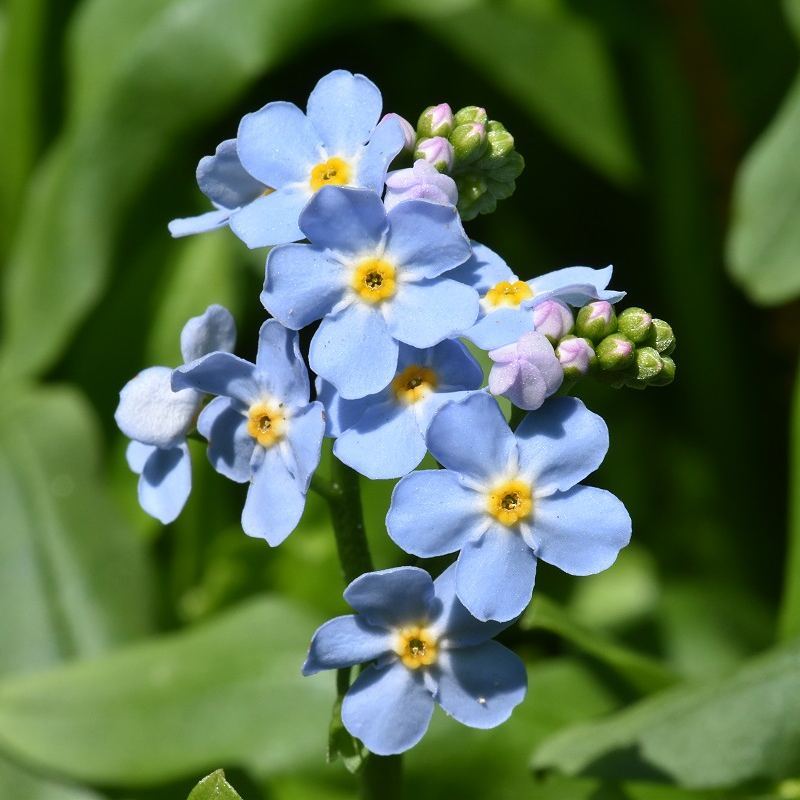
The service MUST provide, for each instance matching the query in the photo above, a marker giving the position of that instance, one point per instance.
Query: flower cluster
(368, 253)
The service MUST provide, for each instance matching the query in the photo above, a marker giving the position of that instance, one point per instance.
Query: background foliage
(660, 135)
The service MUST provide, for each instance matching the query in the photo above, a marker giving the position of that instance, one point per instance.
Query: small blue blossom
(376, 280)
(261, 427)
(427, 650)
(505, 500)
(383, 435)
(506, 301)
(157, 419)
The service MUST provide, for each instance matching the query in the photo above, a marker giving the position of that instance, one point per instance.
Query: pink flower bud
(437, 151)
(408, 131)
(553, 318)
(420, 182)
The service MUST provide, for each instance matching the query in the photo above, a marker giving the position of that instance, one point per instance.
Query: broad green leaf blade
(16, 784)
(790, 606)
(714, 735)
(228, 692)
(214, 787)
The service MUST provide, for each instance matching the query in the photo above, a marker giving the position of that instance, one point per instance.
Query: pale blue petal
(480, 686)
(230, 446)
(306, 429)
(345, 642)
(136, 454)
(341, 414)
(386, 142)
(561, 443)
(272, 219)
(388, 708)
(432, 513)
(456, 368)
(483, 270)
(280, 367)
(576, 286)
(220, 374)
(428, 408)
(214, 329)
(165, 483)
(501, 327)
(580, 531)
(202, 223)
(223, 179)
(392, 597)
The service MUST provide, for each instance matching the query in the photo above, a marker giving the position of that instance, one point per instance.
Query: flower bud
(635, 323)
(596, 320)
(647, 365)
(435, 121)
(667, 374)
(615, 352)
(661, 337)
(437, 151)
(469, 142)
(527, 372)
(501, 145)
(420, 182)
(470, 114)
(554, 319)
(408, 131)
(576, 355)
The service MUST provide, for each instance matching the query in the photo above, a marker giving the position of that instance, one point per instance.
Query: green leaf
(790, 606)
(227, 692)
(713, 735)
(17, 784)
(214, 787)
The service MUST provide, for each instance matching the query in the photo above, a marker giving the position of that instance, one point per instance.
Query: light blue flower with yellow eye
(158, 419)
(506, 301)
(506, 500)
(425, 649)
(383, 435)
(377, 280)
(261, 427)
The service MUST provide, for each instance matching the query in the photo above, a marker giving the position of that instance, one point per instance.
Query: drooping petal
(480, 686)
(345, 642)
(581, 530)
(495, 574)
(165, 482)
(501, 327)
(426, 312)
(483, 270)
(271, 219)
(344, 109)
(202, 223)
(426, 239)
(220, 374)
(136, 454)
(576, 286)
(223, 179)
(341, 414)
(388, 708)
(230, 446)
(432, 513)
(387, 140)
(455, 367)
(354, 351)
(281, 369)
(306, 429)
(392, 597)
(561, 443)
(214, 329)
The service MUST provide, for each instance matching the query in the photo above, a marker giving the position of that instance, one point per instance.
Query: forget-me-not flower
(505, 500)
(427, 650)
(376, 279)
(261, 427)
(383, 435)
(157, 419)
(506, 301)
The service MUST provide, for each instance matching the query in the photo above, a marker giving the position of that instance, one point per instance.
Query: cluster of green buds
(478, 153)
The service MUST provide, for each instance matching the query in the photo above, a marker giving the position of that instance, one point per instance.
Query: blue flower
(505, 500)
(506, 301)
(261, 427)
(427, 650)
(383, 435)
(376, 279)
(158, 419)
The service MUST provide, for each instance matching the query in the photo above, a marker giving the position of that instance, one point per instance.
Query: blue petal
(392, 597)
(576, 285)
(426, 239)
(275, 500)
(341, 414)
(354, 351)
(302, 284)
(500, 327)
(424, 313)
(388, 708)
(350, 221)
(136, 454)
(210, 221)
(306, 429)
(456, 368)
(278, 145)
(214, 329)
(344, 642)
(472, 438)
(483, 270)
(344, 108)
(230, 446)
(430, 406)
(272, 219)
(580, 531)
(432, 513)
(220, 374)
(386, 142)
(165, 483)
(480, 686)
(385, 443)
(281, 369)
(223, 179)
(495, 575)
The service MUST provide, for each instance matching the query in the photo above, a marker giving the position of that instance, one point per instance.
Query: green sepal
(636, 324)
(661, 337)
(342, 744)
(214, 787)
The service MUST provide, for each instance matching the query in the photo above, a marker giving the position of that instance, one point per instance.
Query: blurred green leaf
(214, 787)
(16, 784)
(342, 744)
(715, 735)
(226, 692)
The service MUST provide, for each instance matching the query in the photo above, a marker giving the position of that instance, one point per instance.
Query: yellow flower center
(333, 172)
(414, 383)
(374, 280)
(266, 423)
(510, 502)
(508, 294)
(416, 647)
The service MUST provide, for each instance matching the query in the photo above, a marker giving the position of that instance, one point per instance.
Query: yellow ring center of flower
(374, 280)
(508, 294)
(266, 423)
(333, 172)
(510, 502)
(414, 383)
(416, 646)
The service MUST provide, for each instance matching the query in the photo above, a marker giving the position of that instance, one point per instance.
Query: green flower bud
(596, 321)
(470, 114)
(615, 352)
(647, 365)
(435, 121)
(635, 323)
(661, 337)
(469, 142)
(667, 374)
